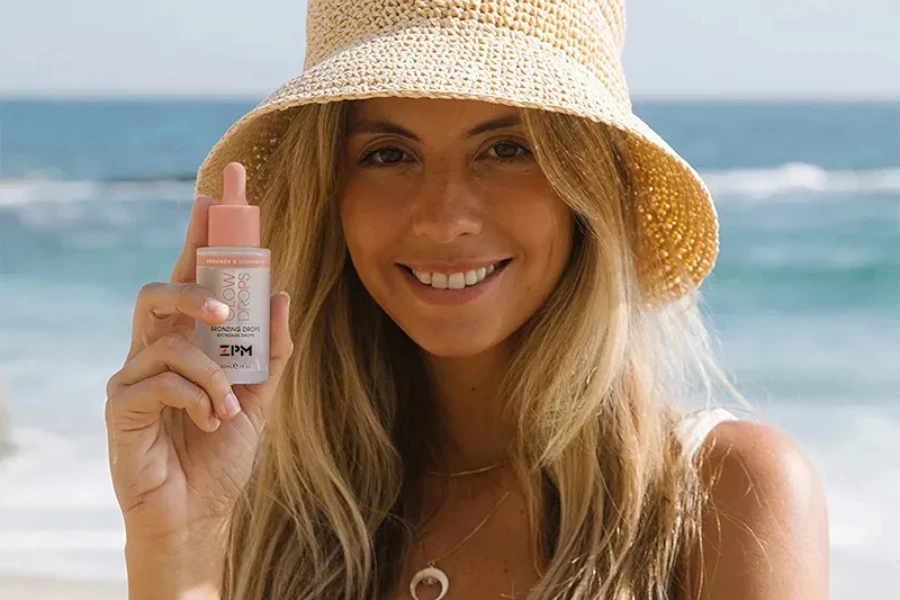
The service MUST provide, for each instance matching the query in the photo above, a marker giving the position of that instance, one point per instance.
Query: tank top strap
(696, 426)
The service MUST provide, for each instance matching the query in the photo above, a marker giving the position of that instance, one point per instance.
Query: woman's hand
(182, 440)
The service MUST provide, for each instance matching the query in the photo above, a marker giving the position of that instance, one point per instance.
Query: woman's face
(450, 223)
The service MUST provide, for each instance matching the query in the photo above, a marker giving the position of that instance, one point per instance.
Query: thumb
(280, 349)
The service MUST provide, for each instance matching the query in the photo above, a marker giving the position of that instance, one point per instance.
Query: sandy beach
(36, 588)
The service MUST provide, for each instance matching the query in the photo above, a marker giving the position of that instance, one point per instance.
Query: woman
(478, 389)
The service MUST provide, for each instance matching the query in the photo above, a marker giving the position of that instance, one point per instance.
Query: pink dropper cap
(233, 222)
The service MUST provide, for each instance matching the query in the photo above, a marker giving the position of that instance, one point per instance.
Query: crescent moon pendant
(430, 576)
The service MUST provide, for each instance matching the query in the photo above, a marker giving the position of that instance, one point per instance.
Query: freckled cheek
(545, 257)
(565, 230)
(542, 227)
(562, 245)
(370, 233)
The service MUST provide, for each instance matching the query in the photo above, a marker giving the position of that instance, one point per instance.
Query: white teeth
(439, 281)
(456, 281)
(453, 281)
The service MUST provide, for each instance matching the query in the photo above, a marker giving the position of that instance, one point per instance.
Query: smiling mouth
(459, 280)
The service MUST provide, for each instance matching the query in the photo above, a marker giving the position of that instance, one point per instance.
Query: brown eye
(508, 150)
(383, 156)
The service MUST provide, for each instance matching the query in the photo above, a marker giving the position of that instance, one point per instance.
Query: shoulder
(765, 528)
(741, 454)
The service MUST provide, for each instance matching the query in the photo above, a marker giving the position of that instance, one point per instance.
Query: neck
(470, 409)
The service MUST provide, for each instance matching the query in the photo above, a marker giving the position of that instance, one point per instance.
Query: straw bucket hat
(556, 55)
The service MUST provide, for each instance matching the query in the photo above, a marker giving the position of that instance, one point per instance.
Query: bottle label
(240, 344)
(243, 262)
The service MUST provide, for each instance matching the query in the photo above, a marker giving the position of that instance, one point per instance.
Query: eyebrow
(389, 127)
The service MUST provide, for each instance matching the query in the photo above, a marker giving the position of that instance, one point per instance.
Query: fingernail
(231, 405)
(287, 297)
(214, 422)
(215, 307)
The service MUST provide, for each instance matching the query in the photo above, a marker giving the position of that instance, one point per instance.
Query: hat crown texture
(590, 32)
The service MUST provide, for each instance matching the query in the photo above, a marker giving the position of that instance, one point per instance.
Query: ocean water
(805, 298)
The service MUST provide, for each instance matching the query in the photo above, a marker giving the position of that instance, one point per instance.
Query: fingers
(174, 372)
(160, 300)
(173, 353)
(185, 269)
(157, 302)
(139, 406)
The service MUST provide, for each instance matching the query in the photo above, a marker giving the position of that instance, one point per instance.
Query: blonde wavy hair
(594, 388)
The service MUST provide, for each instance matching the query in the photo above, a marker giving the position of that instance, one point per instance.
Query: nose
(446, 209)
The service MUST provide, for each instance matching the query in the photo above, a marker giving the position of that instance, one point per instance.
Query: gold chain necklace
(432, 575)
(470, 471)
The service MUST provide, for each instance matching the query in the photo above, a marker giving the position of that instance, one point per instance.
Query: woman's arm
(765, 531)
(189, 568)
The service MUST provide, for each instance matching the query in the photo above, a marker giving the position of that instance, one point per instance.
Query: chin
(454, 342)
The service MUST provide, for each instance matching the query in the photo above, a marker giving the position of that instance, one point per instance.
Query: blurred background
(107, 109)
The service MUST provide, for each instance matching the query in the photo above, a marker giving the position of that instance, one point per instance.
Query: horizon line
(249, 97)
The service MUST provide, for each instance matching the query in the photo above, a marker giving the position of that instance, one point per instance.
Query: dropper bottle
(236, 270)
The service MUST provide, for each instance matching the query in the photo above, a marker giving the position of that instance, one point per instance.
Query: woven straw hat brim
(678, 237)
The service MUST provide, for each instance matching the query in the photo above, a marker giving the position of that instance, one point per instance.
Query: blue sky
(686, 48)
